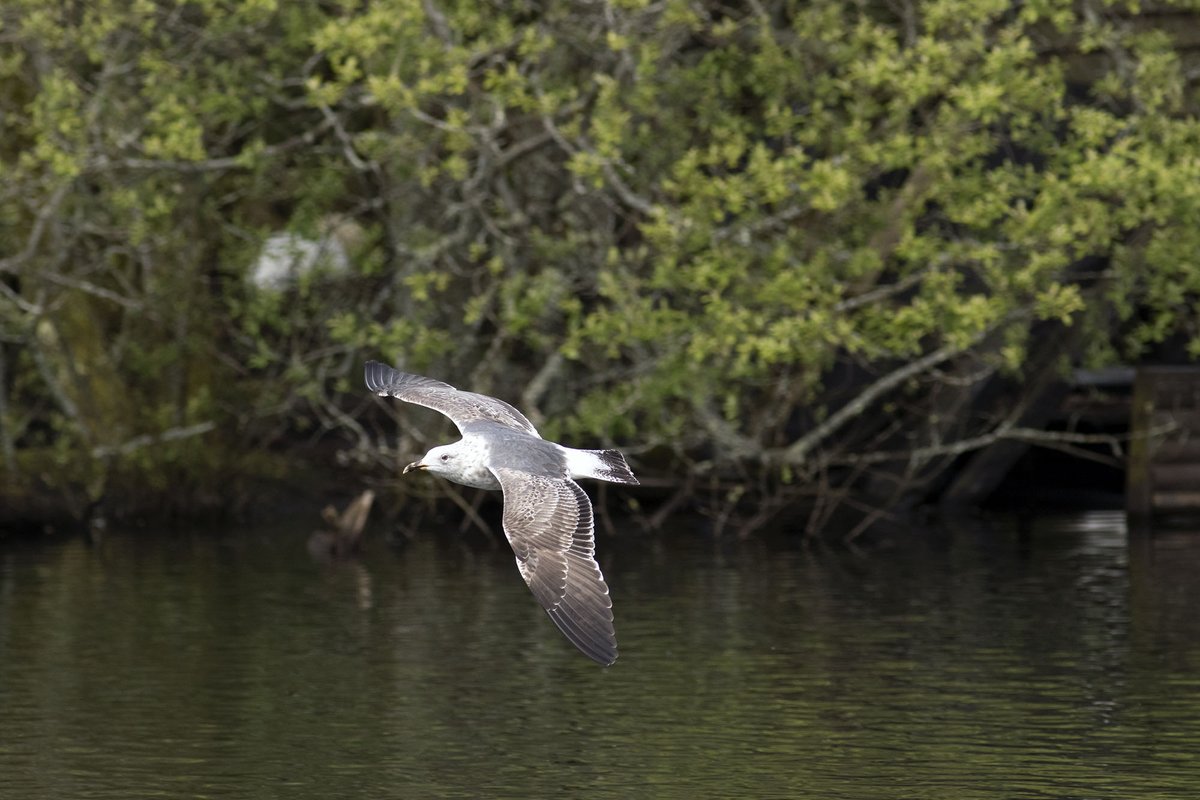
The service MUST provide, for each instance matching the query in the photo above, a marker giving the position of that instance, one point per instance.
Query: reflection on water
(1056, 661)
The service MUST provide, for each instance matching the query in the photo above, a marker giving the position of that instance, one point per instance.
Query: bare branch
(883, 292)
(626, 194)
(20, 302)
(797, 452)
(451, 491)
(437, 21)
(742, 233)
(138, 442)
(731, 442)
(65, 403)
(90, 288)
(1033, 436)
(532, 396)
(104, 162)
(44, 215)
(343, 136)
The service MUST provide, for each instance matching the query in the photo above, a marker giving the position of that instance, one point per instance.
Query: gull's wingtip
(599, 646)
(587, 626)
(605, 655)
(377, 376)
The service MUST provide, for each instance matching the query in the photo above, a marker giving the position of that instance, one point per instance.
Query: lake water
(1062, 661)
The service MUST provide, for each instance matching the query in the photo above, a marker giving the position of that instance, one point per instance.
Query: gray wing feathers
(548, 522)
(462, 408)
(383, 380)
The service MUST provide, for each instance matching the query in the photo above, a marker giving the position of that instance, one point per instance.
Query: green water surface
(1063, 662)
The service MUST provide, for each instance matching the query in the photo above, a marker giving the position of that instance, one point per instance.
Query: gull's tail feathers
(603, 465)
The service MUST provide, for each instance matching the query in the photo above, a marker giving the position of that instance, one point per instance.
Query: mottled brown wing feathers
(548, 522)
(462, 408)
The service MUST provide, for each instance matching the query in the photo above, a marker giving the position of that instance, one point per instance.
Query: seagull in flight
(547, 517)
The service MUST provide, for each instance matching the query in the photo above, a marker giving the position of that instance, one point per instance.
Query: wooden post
(1137, 467)
(1163, 473)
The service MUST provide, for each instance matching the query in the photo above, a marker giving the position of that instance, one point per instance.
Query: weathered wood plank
(1172, 452)
(1176, 501)
(1180, 475)
(1163, 472)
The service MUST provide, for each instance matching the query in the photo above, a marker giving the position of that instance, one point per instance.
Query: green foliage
(706, 212)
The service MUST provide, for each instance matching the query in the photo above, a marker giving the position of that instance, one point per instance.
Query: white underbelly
(478, 478)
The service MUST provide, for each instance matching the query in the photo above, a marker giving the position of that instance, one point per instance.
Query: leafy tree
(781, 250)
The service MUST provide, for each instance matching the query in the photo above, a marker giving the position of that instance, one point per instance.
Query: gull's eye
(445, 457)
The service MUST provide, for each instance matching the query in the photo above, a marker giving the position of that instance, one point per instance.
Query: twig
(88, 287)
(733, 444)
(1029, 435)
(45, 213)
(20, 302)
(873, 515)
(683, 493)
(65, 403)
(626, 194)
(882, 292)
(138, 442)
(531, 397)
(437, 21)
(457, 497)
(103, 162)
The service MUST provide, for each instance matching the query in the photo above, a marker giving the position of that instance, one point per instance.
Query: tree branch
(138, 442)
(45, 213)
(797, 452)
(1029, 435)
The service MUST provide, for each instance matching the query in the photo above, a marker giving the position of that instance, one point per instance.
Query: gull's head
(439, 461)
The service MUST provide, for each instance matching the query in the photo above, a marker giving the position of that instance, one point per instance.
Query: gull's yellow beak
(414, 465)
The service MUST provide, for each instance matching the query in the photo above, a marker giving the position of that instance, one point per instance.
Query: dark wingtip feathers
(615, 467)
(588, 635)
(379, 377)
(383, 380)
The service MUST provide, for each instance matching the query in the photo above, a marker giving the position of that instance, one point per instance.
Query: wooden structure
(1163, 473)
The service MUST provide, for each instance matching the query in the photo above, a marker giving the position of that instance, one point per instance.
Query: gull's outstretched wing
(462, 408)
(548, 522)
